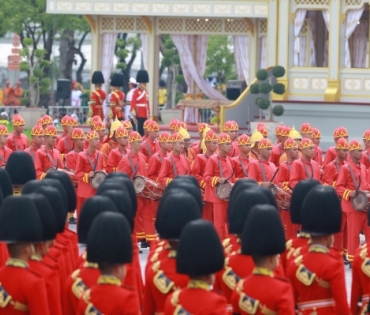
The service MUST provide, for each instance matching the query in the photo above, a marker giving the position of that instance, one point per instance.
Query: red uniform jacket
(263, 293)
(4, 155)
(140, 103)
(345, 183)
(108, 298)
(71, 162)
(97, 99)
(214, 167)
(319, 275)
(55, 260)
(234, 151)
(83, 168)
(317, 154)
(231, 245)
(65, 145)
(105, 149)
(331, 172)
(366, 158)
(277, 151)
(291, 247)
(301, 169)
(4, 255)
(31, 150)
(198, 168)
(116, 103)
(240, 165)
(330, 155)
(196, 299)
(172, 162)
(51, 279)
(160, 281)
(154, 164)
(45, 159)
(76, 284)
(64, 134)
(133, 165)
(255, 171)
(114, 158)
(149, 148)
(283, 175)
(17, 143)
(22, 289)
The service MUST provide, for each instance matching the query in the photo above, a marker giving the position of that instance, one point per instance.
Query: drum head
(50, 169)
(273, 189)
(223, 190)
(97, 179)
(139, 184)
(360, 201)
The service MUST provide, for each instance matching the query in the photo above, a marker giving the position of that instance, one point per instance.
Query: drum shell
(152, 190)
(361, 201)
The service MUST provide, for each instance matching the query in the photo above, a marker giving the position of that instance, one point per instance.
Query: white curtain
(298, 23)
(106, 61)
(353, 16)
(326, 16)
(312, 15)
(359, 45)
(144, 49)
(263, 62)
(241, 56)
(302, 50)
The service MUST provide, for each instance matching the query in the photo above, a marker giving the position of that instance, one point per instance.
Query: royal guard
(37, 140)
(134, 164)
(8, 94)
(78, 137)
(4, 150)
(109, 232)
(18, 92)
(45, 121)
(88, 163)
(163, 262)
(317, 276)
(366, 154)
(97, 96)
(117, 97)
(64, 122)
(219, 171)
(283, 177)
(241, 162)
(118, 153)
(199, 255)
(140, 101)
(17, 140)
(175, 164)
(197, 145)
(110, 143)
(20, 229)
(48, 158)
(261, 170)
(256, 137)
(262, 292)
(132, 86)
(261, 127)
(296, 136)
(49, 232)
(316, 137)
(198, 167)
(304, 167)
(174, 125)
(351, 178)
(65, 144)
(150, 145)
(339, 132)
(232, 129)
(282, 133)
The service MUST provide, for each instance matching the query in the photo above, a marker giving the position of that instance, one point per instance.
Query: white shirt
(76, 98)
(128, 107)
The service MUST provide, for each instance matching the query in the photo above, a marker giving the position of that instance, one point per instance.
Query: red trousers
(356, 221)
(144, 220)
(289, 227)
(341, 238)
(220, 218)
(207, 213)
(80, 203)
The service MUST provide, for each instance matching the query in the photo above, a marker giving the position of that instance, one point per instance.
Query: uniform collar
(315, 248)
(304, 235)
(36, 257)
(263, 272)
(18, 263)
(198, 284)
(109, 280)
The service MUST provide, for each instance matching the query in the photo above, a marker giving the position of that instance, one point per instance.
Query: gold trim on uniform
(92, 310)
(198, 284)
(109, 280)
(14, 262)
(36, 257)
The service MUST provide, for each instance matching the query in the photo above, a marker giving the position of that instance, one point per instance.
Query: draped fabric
(241, 56)
(359, 45)
(263, 62)
(353, 16)
(298, 24)
(312, 15)
(144, 49)
(302, 50)
(326, 16)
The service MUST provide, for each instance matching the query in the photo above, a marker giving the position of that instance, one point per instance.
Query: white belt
(141, 105)
(317, 304)
(365, 298)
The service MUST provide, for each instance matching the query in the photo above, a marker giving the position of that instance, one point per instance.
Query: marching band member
(140, 101)
(261, 127)
(117, 97)
(219, 169)
(241, 162)
(296, 136)
(88, 162)
(116, 154)
(339, 132)
(78, 137)
(99, 127)
(352, 176)
(198, 167)
(97, 96)
(365, 159)
(4, 150)
(150, 145)
(186, 137)
(128, 126)
(175, 164)
(63, 123)
(282, 133)
(174, 125)
(255, 139)
(48, 157)
(145, 127)
(304, 167)
(196, 146)
(316, 137)
(37, 140)
(110, 143)
(45, 121)
(232, 129)
(65, 144)
(17, 140)
(307, 132)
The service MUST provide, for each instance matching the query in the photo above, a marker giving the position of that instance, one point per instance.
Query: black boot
(144, 244)
(345, 260)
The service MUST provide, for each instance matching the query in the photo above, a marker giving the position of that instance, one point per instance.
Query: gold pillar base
(332, 92)
(282, 97)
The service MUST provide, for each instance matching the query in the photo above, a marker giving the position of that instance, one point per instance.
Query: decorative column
(95, 52)
(332, 93)
(272, 27)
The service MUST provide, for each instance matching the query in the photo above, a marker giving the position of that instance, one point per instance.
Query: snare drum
(147, 188)
(283, 198)
(223, 191)
(361, 201)
(97, 179)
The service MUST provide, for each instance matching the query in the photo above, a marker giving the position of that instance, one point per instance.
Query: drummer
(241, 161)
(116, 154)
(88, 163)
(232, 129)
(134, 164)
(150, 145)
(352, 176)
(256, 137)
(37, 139)
(78, 137)
(65, 144)
(47, 157)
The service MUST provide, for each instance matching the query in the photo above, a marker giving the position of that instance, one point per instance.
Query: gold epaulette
(78, 286)
(305, 276)
(365, 266)
(162, 282)
(92, 310)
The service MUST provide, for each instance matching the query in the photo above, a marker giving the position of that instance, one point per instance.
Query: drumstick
(359, 184)
(273, 176)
